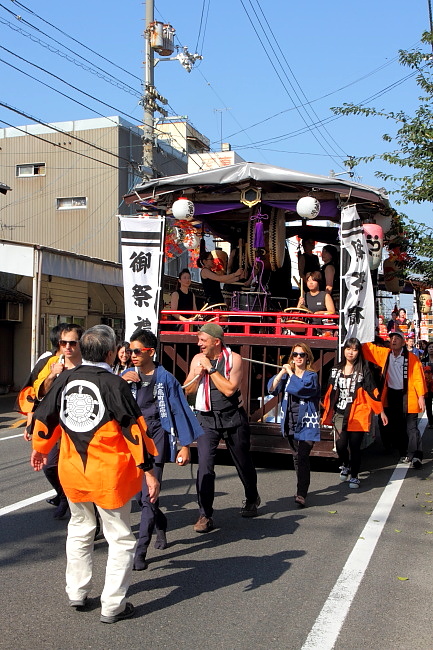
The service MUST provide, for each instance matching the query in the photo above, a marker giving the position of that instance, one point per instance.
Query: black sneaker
(249, 508)
(127, 613)
(416, 463)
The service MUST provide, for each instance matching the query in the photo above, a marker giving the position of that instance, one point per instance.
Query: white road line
(17, 435)
(324, 633)
(27, 502)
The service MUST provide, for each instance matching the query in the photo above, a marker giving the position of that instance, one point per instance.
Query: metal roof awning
(257, 173)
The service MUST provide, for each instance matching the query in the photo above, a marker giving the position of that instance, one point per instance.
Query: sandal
(300, 501)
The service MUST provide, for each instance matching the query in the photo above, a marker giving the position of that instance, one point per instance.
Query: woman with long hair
(183, 297)
(123, 358)
(331, 270)
(300, 422)
(350, 400)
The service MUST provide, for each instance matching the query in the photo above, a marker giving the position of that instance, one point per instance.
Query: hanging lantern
(425, 302)
(183, 208)
(390, 276)
(374, 238)
(308, 207)
(191, 241)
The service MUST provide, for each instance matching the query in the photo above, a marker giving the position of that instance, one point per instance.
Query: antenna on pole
(221, 111)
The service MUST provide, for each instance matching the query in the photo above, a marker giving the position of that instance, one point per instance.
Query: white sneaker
(344, 473)
(405, 459)
(354, 483)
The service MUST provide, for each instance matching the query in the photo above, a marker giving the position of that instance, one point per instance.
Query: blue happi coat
(176, 416)
(306, 391)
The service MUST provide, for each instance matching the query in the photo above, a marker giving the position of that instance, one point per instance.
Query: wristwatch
(211, 371)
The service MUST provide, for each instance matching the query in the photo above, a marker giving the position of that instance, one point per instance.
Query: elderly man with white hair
(104, 451)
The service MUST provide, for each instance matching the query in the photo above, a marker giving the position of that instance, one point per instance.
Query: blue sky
(319, 48)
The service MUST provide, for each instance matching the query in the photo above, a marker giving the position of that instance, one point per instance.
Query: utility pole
(158, 37)
(148, 98)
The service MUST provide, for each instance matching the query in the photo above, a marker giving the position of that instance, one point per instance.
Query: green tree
(414, 137)
(413, 153)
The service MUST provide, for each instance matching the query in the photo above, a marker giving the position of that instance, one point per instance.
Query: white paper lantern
(191, 241)
(183, 208)
(308, 207)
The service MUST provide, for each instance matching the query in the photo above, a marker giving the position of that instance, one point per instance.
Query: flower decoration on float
(308, 207)
(183, 209)
(178, 233)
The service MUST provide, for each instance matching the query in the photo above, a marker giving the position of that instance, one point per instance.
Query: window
(72, 203)
(35, 169)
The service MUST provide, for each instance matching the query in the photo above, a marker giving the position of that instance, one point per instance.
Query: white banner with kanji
(142, 241)
(357, 316)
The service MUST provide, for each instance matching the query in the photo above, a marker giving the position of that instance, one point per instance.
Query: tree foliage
(413, 139)
(410, 242)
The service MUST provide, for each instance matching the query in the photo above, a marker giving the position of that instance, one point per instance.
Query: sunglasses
(299, 354)
(73, 344)
(137, 350)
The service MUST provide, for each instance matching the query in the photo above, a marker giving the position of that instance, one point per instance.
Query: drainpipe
(36, 305)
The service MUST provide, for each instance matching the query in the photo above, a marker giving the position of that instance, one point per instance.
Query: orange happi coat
(416, 384)
(102, 436)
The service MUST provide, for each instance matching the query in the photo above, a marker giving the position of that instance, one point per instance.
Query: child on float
(300, 419)
(350, 400)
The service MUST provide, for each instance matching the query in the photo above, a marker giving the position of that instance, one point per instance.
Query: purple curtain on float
(327, 208)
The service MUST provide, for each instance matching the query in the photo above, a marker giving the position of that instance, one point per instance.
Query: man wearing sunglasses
(68, 356)
(169, 419)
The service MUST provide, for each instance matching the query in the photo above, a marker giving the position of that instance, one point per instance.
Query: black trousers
(301, 461)
(428, 407)
(152, 518)
(348, 445)
(237, 441)
(402, 428)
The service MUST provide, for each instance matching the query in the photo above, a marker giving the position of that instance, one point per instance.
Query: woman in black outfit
(315, 300)
(183, 297)
(212, 281)
(331, 270)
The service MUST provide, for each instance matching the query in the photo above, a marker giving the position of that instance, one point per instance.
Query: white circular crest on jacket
(81, 411)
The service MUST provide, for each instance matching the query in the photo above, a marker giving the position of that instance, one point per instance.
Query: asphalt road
(250, 583)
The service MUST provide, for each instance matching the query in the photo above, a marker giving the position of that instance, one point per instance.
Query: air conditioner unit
(11, 311)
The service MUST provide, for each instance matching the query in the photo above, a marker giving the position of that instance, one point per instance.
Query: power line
(73, 137)
(111, 81)
(279, 76)
(202, 17)
(51, 74)
(295, 79)
(55, 144)
(76, 40)
(26, 22)
(332, 117)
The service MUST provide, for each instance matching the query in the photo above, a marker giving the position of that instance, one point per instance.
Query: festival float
(258, 209)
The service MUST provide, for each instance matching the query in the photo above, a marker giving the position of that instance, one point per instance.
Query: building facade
(68, 180)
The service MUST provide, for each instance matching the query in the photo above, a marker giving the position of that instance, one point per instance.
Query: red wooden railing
(255, 324)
